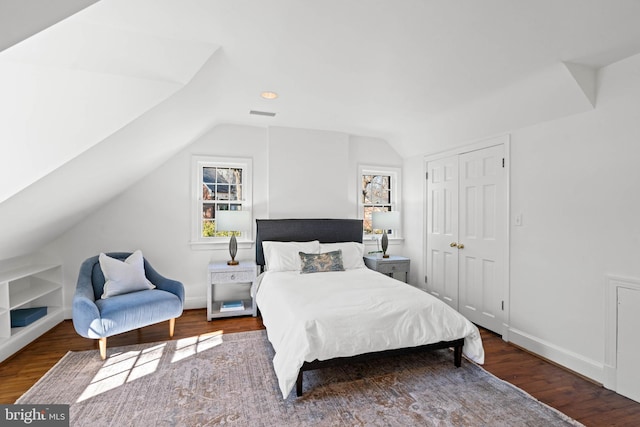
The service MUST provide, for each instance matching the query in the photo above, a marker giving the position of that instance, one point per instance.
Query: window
(220, 184)
(379, 192)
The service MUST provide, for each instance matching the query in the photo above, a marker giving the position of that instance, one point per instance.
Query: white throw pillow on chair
(122, 277)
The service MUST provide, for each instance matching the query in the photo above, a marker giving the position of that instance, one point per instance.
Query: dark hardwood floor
(581, 399)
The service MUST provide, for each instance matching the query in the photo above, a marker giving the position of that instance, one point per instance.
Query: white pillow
(123, 277)
(283, 256)
(352, 253)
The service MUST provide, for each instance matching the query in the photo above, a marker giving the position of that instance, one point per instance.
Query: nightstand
(389, 266)
(231, 283)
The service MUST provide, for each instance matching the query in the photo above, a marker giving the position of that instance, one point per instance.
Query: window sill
(219, 245)
(392, 240)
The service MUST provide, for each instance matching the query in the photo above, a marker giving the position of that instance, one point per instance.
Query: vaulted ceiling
(99, 99)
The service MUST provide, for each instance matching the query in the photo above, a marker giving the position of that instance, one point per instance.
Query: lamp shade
(388, 220)
(233, 221)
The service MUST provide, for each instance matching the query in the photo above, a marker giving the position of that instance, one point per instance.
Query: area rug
(228, 380)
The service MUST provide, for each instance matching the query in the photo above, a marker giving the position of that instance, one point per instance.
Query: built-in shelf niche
(28, 287)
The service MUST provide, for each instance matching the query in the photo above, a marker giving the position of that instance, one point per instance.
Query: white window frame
(198, 163)
(396, 195)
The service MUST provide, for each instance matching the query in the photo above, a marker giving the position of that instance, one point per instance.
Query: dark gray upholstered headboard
(303, 230)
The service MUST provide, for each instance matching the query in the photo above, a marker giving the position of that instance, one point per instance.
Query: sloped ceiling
(96, 101)
(72, 85)
(20, 19)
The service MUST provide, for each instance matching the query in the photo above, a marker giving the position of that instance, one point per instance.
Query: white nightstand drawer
(233, 276)
(389, 266)
(395, 267)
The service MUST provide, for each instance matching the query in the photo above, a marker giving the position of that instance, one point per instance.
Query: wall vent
(262, 113)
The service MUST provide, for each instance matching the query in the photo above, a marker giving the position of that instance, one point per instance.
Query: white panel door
(466, 234)
(627, 369)
(442, 229)
(482, 236)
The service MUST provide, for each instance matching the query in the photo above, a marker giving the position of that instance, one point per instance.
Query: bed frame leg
(299, 384)
(457, 356)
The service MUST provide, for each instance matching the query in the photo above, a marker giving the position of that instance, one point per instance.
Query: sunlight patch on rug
(123, 367)
(186, 347)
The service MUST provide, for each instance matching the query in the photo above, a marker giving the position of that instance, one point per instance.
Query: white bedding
(345, 313)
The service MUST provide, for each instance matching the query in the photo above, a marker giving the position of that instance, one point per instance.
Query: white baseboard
(193, 303)
(610, 377)
(570, 360)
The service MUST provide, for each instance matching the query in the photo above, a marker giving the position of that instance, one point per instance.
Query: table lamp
(386, 220)
(234, 222)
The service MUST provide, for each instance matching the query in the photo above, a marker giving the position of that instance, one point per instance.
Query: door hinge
(427, 176)
(425, 278)
(503, 162)
(502, 305)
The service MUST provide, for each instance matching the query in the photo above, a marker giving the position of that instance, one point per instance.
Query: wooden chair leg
(172, 326)
(102, 343)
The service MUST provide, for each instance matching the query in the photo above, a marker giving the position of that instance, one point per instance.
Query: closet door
(442, 229)
(466, 237)
(482, 236)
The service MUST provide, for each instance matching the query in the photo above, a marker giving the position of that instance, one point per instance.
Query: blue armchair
(98, 318)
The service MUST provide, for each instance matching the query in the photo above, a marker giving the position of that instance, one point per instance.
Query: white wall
(311, 174)
(576, 182)
(414, 217)
(154, 214)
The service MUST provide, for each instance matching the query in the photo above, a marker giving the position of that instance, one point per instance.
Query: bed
(343, 312)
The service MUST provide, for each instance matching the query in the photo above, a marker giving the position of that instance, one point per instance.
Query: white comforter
(336, 314)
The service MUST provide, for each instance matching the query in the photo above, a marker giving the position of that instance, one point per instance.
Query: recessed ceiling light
(269, 95)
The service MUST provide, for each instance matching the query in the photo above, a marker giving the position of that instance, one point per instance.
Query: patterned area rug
(228, 380)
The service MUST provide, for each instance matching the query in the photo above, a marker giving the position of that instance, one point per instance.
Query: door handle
(453, 244)
(460, 245)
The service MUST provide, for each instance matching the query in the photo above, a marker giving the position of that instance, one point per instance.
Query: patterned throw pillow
(316, 263)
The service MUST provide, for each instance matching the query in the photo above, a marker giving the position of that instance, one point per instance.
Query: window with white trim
(219, 184)
(379, 192)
